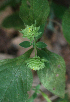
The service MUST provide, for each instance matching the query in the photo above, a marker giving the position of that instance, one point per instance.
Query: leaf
(34, 95)
(15, 79)
(32, 10)
(13, 21)
(53, 78)
(37, 88)
(58, 9)
(36, 91)
(25, 44)
(66, 25)
(41, 44)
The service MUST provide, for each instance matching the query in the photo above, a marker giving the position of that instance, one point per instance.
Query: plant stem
(45, 96)
(35, 46)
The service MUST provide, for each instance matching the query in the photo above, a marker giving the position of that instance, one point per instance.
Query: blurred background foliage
(57, 10)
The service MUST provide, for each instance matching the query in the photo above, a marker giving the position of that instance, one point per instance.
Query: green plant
(15, 74)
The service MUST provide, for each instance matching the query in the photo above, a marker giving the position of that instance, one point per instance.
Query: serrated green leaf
(13, 21)
(41, 44)
(15, 79)
(32, 10)
(25, 44)
(58, 9)
(53, 78)
(66, 25)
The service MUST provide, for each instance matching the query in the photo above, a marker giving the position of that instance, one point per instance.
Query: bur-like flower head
(36, 63)
(30, 32)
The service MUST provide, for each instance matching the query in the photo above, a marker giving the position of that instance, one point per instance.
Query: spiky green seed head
(36, 63)
(30, 32)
